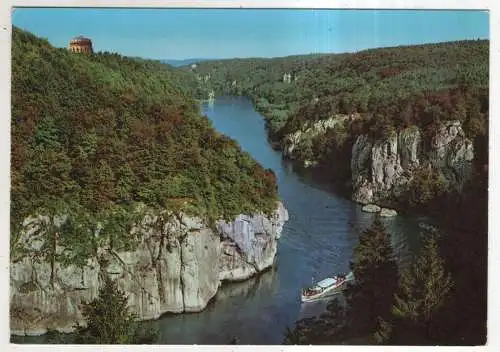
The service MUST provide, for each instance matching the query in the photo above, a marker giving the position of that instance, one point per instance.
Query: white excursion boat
(320, 289)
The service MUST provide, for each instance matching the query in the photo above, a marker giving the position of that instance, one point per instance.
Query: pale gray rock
(442, 142)
(377, 167)
(452, 152)
(388, 212)
(361, 159)
(250, 240)
(233, 265)
(383, 169)
(371, 208)
(310, 130)
(409, 146)
(200, 269)
(363, 191)
(386, 163)
(177, 266)
(309, 163)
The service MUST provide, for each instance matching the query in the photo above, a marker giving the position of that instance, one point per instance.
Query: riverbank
(177, 272)
(395, 175)
(322, 232)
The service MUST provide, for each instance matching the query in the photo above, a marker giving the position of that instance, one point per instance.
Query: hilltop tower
(80, 45)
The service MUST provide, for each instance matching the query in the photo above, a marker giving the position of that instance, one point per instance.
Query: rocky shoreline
(373, 208)
(381, 170)
(178, 270)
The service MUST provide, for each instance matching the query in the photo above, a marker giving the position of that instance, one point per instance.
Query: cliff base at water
(177, 268)
(116, 173)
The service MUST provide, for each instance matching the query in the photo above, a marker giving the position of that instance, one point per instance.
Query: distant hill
(289, 91)
(183, 62)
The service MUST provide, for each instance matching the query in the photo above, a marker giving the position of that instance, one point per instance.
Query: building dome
(80, 45)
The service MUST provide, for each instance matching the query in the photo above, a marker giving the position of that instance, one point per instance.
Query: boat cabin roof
(326, 282)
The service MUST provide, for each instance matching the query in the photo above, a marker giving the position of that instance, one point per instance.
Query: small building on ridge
(80, 45)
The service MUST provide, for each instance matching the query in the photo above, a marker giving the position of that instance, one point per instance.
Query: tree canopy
(387, 89)
(370, 296)
(103, 130)
(95, 136)
(368, 299)
(404, 83)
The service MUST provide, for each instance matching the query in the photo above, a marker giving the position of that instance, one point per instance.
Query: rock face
(452, 152)
(247, 247)
(177, 269)
(388, 212)
(310, 130)
(371, 208)
(383, 169)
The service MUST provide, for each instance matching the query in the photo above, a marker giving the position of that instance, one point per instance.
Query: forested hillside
(93, 136)
(97, 133)
(383, 91)
(395, 82)
(416, 116)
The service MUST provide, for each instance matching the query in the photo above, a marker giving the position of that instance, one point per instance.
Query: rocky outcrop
(371, 208)
(452, 152)
(388, 212)
(246, 245)
(176, 267)
(293, 141)
(382, 169)
(287, 77)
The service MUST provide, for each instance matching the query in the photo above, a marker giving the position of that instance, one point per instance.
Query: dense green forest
(407, 85)
(388, 89)
(93, 135)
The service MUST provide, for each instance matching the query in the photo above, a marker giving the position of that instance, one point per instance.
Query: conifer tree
(370, 296)
(109, 320)
(328, 328)
(423, 291)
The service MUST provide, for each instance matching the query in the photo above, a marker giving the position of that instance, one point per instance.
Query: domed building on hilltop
(80, 45)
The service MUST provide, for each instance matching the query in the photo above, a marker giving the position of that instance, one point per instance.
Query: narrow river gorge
(316, 242)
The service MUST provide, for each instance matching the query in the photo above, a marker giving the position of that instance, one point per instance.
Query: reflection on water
(227, 315)
(317, 242)
(261, 285)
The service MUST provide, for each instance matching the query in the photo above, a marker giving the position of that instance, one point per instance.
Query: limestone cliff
(382, 169)
(297, 139)
(177, 269)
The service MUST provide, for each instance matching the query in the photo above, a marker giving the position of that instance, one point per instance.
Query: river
(316, 242)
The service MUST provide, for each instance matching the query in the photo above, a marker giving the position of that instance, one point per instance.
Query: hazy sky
(219, 33)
